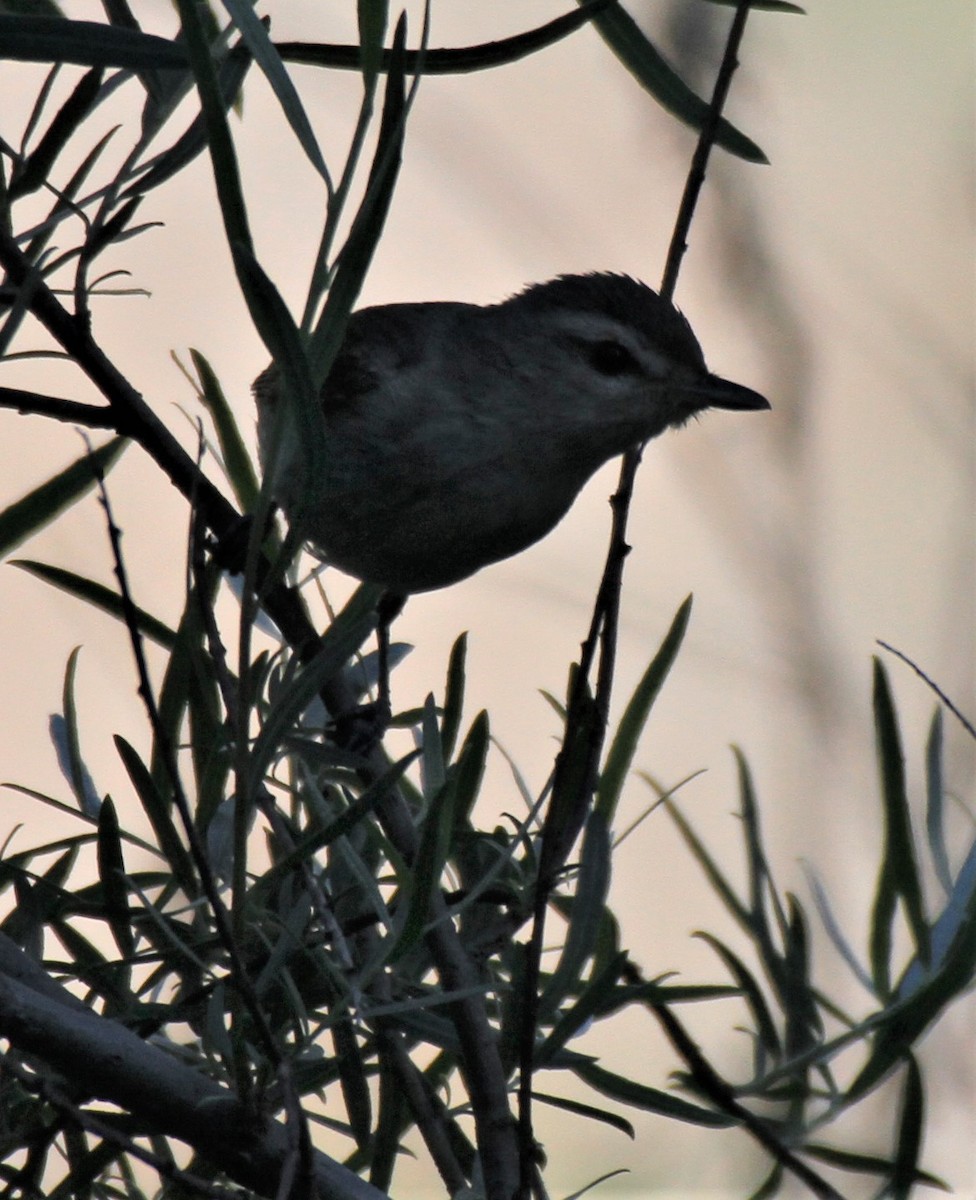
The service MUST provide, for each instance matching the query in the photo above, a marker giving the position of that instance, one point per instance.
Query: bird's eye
(610, 358)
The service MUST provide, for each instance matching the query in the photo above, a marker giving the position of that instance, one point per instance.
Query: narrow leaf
(634, 719)
(624, 37)
(111, 872)
(237, 461)
(99, 596)
(638, 1095)
(38, 508)
(898, 876)
(87, 43)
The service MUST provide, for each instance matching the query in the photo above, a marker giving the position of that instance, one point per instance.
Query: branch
(117, 1066)
(92, 416)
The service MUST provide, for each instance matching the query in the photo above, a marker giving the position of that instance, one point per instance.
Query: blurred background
(838, 280)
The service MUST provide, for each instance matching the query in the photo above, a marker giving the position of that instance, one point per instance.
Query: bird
(457, 435)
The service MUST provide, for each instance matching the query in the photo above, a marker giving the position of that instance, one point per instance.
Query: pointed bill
(722, 393)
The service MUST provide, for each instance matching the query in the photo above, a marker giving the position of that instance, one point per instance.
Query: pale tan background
(839, 280)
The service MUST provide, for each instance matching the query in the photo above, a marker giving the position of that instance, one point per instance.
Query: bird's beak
(720, 393)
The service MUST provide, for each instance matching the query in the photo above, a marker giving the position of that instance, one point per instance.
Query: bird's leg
(363, 726)
(387, 610)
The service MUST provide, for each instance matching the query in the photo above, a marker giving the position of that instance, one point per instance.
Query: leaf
(454, 695)
(596, 998)
(364, 234)
(64, 731)
(372, 17)
(934, 803)
(782, 6)
(158, 812)
(213, 102)
(718, 881)
(586, 912)
(237, 461)
(638, 1095)
(453, 61)
(898, 875)
(432, 755)
(99, 596)
(634, 719)
(32, 172)
(427, 867)
(588, 1111)
(470, 769)
(624, 37)
(281, 336)
(87, 43)
(231, 71)
(868, 1164)
(337, 645)
(765, 1026)
(254, 34)
(111, 872)
(38, 508)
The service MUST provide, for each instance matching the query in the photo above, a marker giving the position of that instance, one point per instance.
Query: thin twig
(960, 717)
(584, 715)
(91, 416)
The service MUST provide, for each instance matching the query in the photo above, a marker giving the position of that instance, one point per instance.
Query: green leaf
(286, 345)
(766, 1034)
(638, 1095)
(71, 761)
(190, 687)
(364, 234)
(254, 34)
(453, 61)
(719, 882)
(99, 596)
(570, 800)
(935, 804)
(624, 37)
(111, 872)
(634, 719)
(87, 43)
(596, 998)
(428, 866)
(372, 16)
(38, 508)
(470, 769)
(158, 812)
(782, 6)
(586, 1110)
(798, 1000)
(454, 695)
(231, 71)
(866, 1164)
(342, 825)
(586, 913)
(432, 754)
(237, 461)
(898, 876)
(213, 102)
(32, 172)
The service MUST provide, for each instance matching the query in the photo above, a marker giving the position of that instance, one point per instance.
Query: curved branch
(114, 1064)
